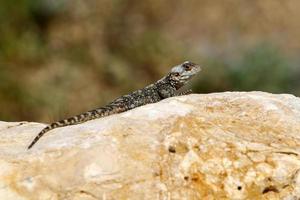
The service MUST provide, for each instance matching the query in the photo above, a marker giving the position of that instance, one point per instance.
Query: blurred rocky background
(61, 57)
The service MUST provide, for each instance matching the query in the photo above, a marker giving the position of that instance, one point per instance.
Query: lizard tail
(70, 121)
(45, 130)
(62, 123)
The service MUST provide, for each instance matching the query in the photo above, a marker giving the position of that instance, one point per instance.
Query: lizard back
(163, 88)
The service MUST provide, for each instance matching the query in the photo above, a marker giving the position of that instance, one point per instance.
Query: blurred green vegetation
(261, 68)
(60, 58)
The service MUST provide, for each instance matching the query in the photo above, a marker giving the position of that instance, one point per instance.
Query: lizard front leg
(185, 92)
(165, 93)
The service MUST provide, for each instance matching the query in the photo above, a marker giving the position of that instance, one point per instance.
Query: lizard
(166, 87)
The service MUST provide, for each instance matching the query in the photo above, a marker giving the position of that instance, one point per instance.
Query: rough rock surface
(214, 146)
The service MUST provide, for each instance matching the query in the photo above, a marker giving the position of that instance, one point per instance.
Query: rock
(213, 146)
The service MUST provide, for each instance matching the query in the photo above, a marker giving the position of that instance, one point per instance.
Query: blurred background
(62, 57)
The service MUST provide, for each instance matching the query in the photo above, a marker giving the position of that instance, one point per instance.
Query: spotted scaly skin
(163, 88)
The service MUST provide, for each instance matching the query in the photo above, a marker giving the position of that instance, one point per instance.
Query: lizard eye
(187, 67)
(176, 74)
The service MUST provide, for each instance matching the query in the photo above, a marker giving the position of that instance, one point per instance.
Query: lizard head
(182, 73)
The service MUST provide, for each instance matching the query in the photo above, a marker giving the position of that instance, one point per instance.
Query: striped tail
(101, 112)
(45, 130)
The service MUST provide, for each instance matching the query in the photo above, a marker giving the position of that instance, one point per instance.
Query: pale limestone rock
(214, 146)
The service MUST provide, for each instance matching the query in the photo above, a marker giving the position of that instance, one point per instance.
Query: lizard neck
(176, 84)
(166, 81)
